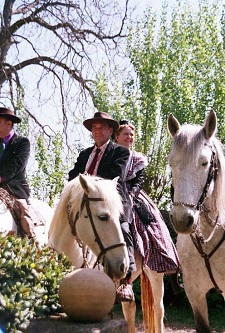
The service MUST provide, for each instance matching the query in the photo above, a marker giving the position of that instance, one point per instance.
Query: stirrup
(124, 293)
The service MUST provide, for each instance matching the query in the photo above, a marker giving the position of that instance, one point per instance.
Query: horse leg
(129, 312)
(197, 299)
(200, 311)
(157, 284)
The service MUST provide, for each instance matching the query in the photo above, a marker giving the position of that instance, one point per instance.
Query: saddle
(12, 206)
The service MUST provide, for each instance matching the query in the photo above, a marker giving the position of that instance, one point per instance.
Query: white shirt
(91, 157)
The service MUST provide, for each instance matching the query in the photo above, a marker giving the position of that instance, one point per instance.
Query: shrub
(29, 281)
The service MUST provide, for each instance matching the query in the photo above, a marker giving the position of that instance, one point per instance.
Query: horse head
(88, 215)
(195, 160)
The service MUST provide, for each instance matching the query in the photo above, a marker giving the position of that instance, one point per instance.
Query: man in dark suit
(110, 160)
(14, 154)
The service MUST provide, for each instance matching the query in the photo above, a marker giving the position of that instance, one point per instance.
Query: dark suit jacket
(13, 167)
(112, 164)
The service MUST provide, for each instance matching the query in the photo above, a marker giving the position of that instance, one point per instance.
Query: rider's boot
(26, 220)
(125, 291)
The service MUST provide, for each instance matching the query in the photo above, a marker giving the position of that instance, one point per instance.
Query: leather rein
(198, 239)
(86, 203)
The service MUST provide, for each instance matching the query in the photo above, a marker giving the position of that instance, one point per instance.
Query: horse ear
(115, 180)
(173, 124)
(83, 181)
(210, 125)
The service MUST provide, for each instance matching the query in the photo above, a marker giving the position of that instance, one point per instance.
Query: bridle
(86, 203)
(212, 175)
(201, 207)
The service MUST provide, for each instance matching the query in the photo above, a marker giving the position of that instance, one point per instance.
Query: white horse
(87, 218)
(8, 219)
(198, 214)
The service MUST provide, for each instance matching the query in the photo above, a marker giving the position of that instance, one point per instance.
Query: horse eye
(103, 217)
(204, 163)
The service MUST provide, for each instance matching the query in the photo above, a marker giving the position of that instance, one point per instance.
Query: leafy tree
(180, 66)
(49, 53)
(56, 45)
(47, 183)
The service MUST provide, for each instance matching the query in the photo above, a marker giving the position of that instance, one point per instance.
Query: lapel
(9, 147)
(107, 154)
(85, 156)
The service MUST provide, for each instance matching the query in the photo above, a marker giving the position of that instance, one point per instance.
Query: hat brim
(14, 119)
(112, 123)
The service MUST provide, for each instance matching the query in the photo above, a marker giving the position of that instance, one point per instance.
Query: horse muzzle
(116, 270)
(184, 219)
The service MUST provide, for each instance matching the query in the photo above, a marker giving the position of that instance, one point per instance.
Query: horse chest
(206, 264)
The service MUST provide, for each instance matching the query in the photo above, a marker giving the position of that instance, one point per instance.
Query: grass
(183, 315)
(178, 310)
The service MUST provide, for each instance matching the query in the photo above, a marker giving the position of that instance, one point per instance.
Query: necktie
(2, 147)
(93, 163)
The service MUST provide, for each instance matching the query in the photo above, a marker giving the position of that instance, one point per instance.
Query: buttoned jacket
(112, 164)
(13, 165)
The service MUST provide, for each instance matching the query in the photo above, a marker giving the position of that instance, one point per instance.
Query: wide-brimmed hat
(101, 116)
(9, 114)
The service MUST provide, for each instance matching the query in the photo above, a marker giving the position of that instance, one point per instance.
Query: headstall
(212, 175)
(86, 203)
(199, 239)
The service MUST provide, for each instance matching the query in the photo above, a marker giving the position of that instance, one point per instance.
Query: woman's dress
(152, 238)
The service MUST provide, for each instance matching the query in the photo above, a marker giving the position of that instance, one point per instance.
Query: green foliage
(48, 181)
(29, 281)
(180, 68)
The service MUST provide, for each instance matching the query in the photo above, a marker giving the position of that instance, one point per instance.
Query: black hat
(9, 114)
(124, 122)
(101, 116)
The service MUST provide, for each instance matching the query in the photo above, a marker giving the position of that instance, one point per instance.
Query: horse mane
(190, 138)
(73, 193)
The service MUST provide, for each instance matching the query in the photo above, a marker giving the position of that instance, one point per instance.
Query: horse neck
(79, 256)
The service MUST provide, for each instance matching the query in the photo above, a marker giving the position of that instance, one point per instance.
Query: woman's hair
(123, 124)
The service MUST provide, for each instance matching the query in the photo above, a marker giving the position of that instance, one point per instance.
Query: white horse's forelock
(189, 138)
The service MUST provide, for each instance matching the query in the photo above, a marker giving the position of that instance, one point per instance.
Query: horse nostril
(122, 268)
(190, 221)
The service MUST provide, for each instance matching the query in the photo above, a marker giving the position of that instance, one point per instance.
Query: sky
(141, 6)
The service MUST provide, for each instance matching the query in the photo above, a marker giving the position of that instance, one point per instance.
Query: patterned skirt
(153, 241)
